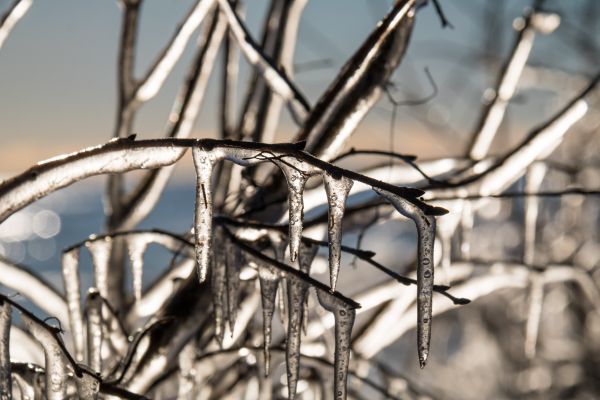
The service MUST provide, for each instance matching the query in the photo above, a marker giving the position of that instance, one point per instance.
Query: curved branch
(11, 17)
(122, 155)
(34, 288)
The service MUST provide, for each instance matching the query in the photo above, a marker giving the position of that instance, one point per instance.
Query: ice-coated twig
(93, 311)
(337, 192)
(70, 272)
(261, 108)
(344, 320)
(16, 11)
(534, 21)
(33, 287)
(426, 239)
(5, 367)
(156, 75)
(276, 78)
(125, 155)
(359, 84)
(184, 112)
(533, 180)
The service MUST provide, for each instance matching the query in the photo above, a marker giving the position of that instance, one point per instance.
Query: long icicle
(218, 284)
(269, 282)
(70, 272)
(296, 291)
(93, 309)
(204, 162)
(233, 267)
(136, 247)
(100, 251)
(308, 252)
(296, 180)
(5, 368)
(337, 192)
(344, 320)
(426, 238)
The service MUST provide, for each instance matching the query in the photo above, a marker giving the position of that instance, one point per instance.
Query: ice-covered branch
(158, 72)
(34, 288)
(16, 11)
(359, 84)
(127, 154)
(535, 21)
(277, 79)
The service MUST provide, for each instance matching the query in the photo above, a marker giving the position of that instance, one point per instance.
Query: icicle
(296, 180)
(93, 308)
(56, 366)
(88, 387)
(296, 290)
(204, 162)
(70, 271)
(282, 311)
(308, 252)
(269, 281)
(5, 369)
(100, 250)
(233, 267)
(344, 320)
(337, 192)
(136, 246)
(218, 283)
(426, 238)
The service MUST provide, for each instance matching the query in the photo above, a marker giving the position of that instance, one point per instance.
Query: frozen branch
(535, 21)
(276, 78)
(158, 72)
(16, 11)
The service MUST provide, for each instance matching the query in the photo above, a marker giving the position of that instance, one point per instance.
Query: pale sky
(58, 70)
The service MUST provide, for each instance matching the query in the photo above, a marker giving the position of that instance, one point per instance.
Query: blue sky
(58, 70)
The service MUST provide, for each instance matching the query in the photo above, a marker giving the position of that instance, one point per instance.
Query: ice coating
(70, 272)
(93, 309)
(269, 282)
(204, 162)
(233, 267)
(5, 368)
(218, 284)
(56, 365)
(308, 252)
(337, 192)
(344, 320)
(426, 238)
(296, 291)
(136, 246)
(88, 387)
(100, 250)
(296, 179)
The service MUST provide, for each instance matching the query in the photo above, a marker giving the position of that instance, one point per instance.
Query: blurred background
(58, 94)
